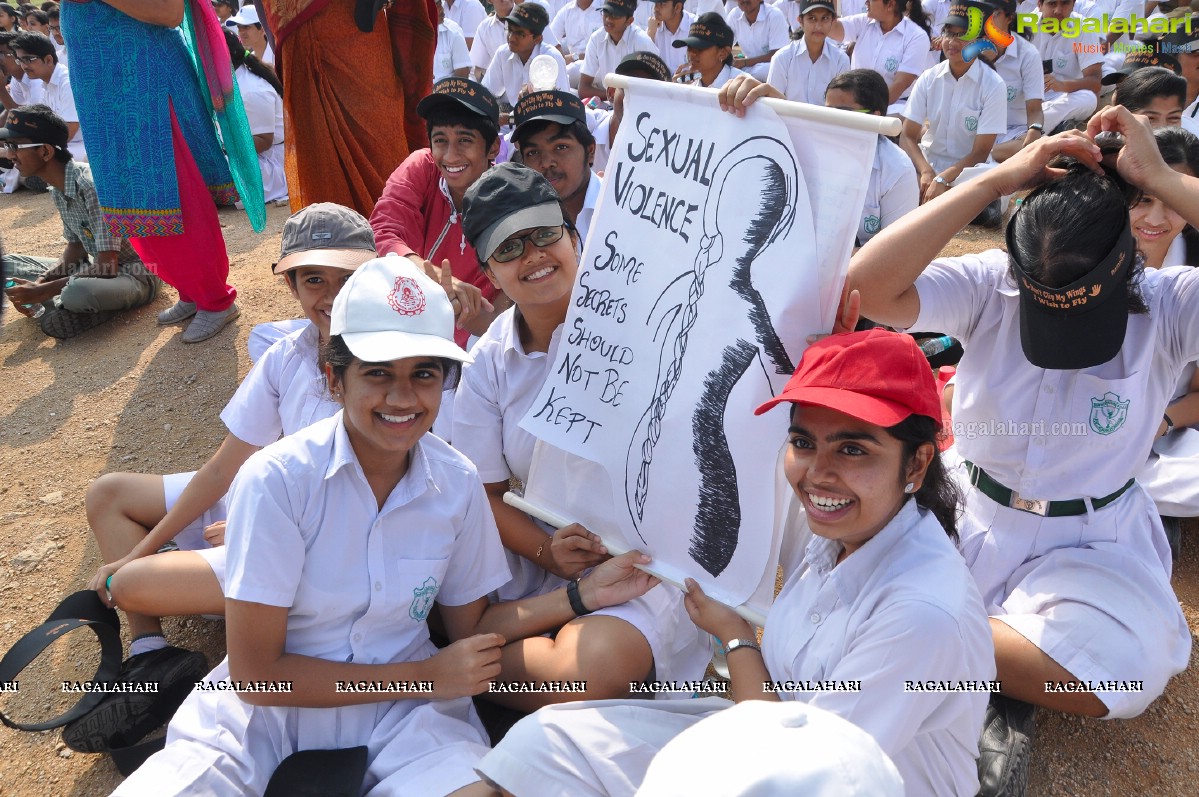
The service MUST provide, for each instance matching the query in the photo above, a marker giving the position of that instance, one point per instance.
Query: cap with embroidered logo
(708, 30)
(37, 123)
(552, 106)
(530, 16)
(389, 309)
(643, 64)
(458, 92)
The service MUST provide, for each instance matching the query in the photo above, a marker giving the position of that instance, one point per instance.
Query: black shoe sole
(64, 324)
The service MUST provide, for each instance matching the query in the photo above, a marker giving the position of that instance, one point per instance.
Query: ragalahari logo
(994, 36)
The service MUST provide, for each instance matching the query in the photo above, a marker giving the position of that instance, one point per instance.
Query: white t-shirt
(283, 393)
(506, 75)
(768, 32)
(904, 48)
(451, 52)
(664, 41)
(793, 73)
(956, 110)
(902, 608)
(1020, 68)
(603, 54)
(893, 190)
(573, 26)
(467, 14)
(264, 112)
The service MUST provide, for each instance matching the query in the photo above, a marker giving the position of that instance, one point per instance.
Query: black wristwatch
(1040, 128)
(576, 602)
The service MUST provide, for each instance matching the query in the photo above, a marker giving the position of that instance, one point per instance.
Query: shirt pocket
(1110, 413)
(412, 585)
(967, 121)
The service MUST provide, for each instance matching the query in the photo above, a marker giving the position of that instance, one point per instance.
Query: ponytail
(240, 56)
(915, 12)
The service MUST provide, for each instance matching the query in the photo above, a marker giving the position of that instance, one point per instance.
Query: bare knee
(104, 496)
(610, 654)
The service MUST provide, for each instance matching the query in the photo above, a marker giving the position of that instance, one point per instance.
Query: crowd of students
(346, 544)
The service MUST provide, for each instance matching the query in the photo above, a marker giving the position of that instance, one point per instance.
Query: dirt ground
(130, 396)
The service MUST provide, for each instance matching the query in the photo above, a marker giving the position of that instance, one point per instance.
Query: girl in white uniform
(617, 646)
(1063, 385)
(892, 38)
(262, 95)
(709, 44)
(880, 623)
(342, 536)
(135, 514)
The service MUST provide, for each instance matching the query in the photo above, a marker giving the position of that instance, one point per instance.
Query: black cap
(458, 92)
(530, 16)
(959, 15)
(554, 106)
(811, 5)
(620, 8)
(1082, 324)
(508, 198)
(709, 30)
(37, 123)
(645, 64)
(1140, 59)
(1181, 40)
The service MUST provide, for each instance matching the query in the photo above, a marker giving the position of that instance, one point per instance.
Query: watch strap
(741, 643)
(576, 602)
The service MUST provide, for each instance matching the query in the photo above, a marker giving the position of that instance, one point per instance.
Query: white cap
(388, 310)
(247, 16)
(762, 749)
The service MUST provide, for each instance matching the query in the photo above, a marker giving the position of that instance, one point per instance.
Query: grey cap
(326, 234)
(508, 198)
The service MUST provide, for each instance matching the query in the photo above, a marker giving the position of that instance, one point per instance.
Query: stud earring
(909, 488)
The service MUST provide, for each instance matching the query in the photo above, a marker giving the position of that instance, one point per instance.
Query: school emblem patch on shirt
(872, 224)
(971, 123)
(1108, 413)
(1011, 93)
(1059, 63)
(892, 64)
(422, 599)
(406, 298)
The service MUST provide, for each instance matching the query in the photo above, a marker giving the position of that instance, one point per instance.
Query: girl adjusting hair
(516, 222)
(880, 601)
(342, 537)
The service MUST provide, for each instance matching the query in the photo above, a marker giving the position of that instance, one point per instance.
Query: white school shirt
(768, 32)
(723, 76)
(599, 121)
(264, 112)
(603, 54)
(490, 36)
(1051, 434)
(956, 110)
(494, 393)
(904, 48)
(793, 73)
(551, 11)
(1020, 68)
(1190, 117)
(573, 26)
(507, 75)
(467, 14)
(590, 200)
(893, 190)
(26, 91)
(305, 533)
(699, 7)
(283, 393)
(790, 11)
(451, 52)
(61, 100)
(664, 42)
(901, 608)
(936, 11)
(1069, 54)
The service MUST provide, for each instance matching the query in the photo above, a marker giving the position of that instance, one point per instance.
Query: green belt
(1010, 498)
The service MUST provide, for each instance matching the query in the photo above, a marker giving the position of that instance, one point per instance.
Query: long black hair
(240, 56)
(938, 492)
(1180, 147)
(915, 12)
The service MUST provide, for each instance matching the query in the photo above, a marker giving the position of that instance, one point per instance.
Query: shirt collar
(60, 71)
(850, 577)
(73, 175)
(415, 482)
(511, 340)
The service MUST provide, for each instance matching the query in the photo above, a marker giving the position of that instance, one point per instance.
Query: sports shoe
(1005, 748)
(206, 324)
(63, 324)
(179, 311)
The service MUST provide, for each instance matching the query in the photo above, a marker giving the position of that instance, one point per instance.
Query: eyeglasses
(10, 147)
(28, 59)
(513, 248)
(946, 33)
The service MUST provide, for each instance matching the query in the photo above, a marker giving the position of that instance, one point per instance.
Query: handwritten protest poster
(717, 246)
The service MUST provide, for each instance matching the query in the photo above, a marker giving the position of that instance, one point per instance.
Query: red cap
(875, 376)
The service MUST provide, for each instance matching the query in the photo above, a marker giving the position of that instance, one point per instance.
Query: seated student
(490, 36)
(37, 21)
(1154, 92)
(467, 15)
(262, 97)
(36, 55)
(552, 136)
(18, 91)
(573, 27)
(760, 30)
(508, 73)
(1073, 65)
(709, 44)
(10, 20)
(643, 65)
(249, 30)
(225, 9)
(669, 21)
(802, 70)
(342, 536)
(881, 597)
(420, 213)
(964, 106)
(892, 38)
(54, 26)
(451, 58)
(1019, 64)
(132, 515)
(1069, 555)
(81, 293)
(618, 37)
(528, 248)
(1185, 40)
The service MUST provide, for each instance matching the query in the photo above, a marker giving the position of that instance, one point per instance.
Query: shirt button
(357, 637)
(815, 617)
(378, 586)
(1048, 388)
